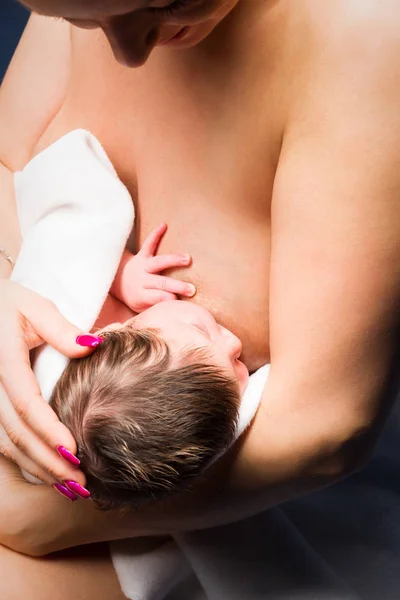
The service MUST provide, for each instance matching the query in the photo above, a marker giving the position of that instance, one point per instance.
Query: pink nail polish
(71, 458)
(88, 340)
(61, 489)
(78, 489)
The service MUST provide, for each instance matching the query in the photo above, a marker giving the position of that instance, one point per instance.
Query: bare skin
(82, 573)
(148, 96)
(276, 139)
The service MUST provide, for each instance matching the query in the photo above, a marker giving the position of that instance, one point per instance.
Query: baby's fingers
(156, 296)
(150, 244)
(173, 286)
(156, 264)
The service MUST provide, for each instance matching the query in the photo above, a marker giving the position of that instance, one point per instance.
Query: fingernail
(186, 258)
(61, 489)
(88, 340)
(78, 489)
(191, 289)
(71, 458)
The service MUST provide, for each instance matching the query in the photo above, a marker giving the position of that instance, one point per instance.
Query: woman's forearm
(259, 472)
(45, 522)
(285, 453)
(10, 236)
(36, 521)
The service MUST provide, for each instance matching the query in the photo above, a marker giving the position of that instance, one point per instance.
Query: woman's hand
(138, 282)
(30, 433)
(36, 521)
(26, 511)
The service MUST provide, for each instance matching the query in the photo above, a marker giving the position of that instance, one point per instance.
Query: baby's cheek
(112, 315)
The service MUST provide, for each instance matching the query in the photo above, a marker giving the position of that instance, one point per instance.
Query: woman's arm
(33, 89)
(335, 261)
(10, 237)
(36, 521)
(335, 265)
(32, 93)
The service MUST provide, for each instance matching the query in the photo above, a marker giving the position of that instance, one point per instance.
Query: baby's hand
(138, 283)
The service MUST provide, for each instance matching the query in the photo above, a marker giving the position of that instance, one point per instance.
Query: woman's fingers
(53, 328)
(14, 455)
(24, 395)
(32, 431)
(150, 244)
(13, 462)
(173, 286)
(27, 449)
(156, 264)
(9, 471)
(30, 423)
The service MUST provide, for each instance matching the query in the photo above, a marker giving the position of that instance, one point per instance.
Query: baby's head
(154, 405)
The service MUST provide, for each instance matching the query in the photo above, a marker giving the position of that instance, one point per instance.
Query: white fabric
(75, 217)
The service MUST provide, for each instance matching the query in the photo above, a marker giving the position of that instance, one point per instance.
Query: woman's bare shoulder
(343, 25)
(34, 88)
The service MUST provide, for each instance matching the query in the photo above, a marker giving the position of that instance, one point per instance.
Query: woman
(250, 115)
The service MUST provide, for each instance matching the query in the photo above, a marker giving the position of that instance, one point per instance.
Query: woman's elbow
(344, 451)
(19, 537)
(24, 545)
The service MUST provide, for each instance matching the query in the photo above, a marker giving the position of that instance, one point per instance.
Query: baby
(157, 402)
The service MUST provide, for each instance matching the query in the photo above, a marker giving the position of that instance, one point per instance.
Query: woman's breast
(231, 274)
(227, 233)
(228, 238)
(207, 174)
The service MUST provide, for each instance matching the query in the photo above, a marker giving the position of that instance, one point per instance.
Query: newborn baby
(158, 400)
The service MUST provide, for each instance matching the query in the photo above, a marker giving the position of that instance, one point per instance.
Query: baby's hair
(145, 422)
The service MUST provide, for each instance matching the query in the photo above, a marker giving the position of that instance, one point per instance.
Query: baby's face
(185, 325)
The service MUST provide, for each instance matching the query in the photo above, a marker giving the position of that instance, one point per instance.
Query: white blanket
(75, 218)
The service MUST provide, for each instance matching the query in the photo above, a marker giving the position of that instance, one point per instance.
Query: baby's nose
(234, 345)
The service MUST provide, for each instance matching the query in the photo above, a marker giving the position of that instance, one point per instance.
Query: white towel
(75, 217)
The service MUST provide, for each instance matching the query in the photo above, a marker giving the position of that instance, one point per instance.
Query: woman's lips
(175, 38)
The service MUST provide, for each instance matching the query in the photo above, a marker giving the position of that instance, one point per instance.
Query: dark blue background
(13, 18)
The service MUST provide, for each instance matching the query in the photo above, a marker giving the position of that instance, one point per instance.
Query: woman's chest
(199, 154)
